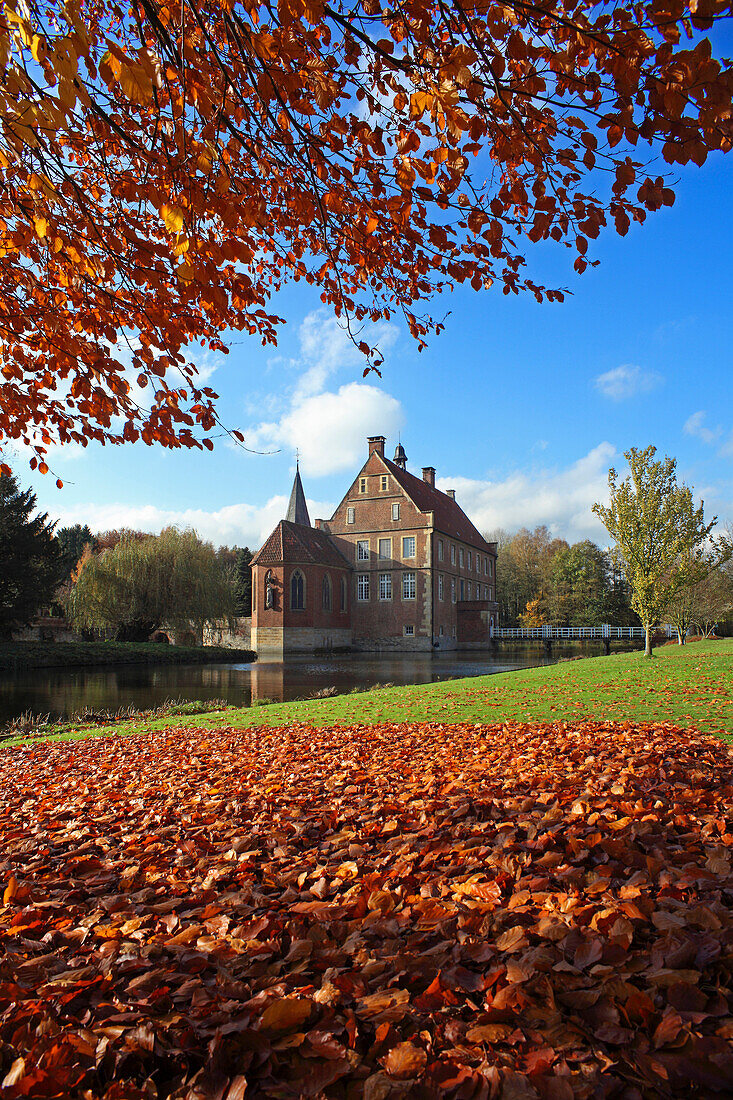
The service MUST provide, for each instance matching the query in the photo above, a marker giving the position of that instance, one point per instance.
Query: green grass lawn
(690, 686)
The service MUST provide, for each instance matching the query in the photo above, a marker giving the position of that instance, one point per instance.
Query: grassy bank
(20, 656)
(690, 686)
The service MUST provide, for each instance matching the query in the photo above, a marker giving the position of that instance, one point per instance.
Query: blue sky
(521, 407)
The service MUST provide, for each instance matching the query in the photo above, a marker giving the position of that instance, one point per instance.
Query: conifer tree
(30, 560)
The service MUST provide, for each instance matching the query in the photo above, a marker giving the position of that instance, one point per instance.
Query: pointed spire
(297, 508)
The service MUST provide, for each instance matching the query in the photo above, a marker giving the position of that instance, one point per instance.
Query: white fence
(549, 633)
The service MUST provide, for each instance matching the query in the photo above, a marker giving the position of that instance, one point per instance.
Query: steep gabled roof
(296, 544)
(448, 516)
(297, 508)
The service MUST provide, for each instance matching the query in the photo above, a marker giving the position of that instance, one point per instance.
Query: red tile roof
(448, 516)
(296, 543)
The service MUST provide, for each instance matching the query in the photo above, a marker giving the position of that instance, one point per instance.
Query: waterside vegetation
(690, 686)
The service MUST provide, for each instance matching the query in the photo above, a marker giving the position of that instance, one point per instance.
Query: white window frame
(384, 483)
(409, 539)
(460, 557)
(441, 585)
(468, 590)
(385, 586)
(388, 555)
(440, 549)
(409, 579)
(361, 555)
(453, 590)
(408, 630)
(470, 560)
(351, 515)
(452, 554)
(395, 511)
(363, 484)
(362, 587)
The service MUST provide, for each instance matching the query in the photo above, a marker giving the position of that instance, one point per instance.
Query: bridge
(549, 634)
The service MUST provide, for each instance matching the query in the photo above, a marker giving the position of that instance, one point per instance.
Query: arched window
(326, 593)
(343, 593)
(297, 591)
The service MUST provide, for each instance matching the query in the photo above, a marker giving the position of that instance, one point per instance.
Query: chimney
(376, 443)
(451, 493)
(428, 475)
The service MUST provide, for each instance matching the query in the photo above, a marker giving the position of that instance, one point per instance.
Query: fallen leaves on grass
(517, 912)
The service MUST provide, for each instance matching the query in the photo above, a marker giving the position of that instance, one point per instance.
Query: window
(269, 591)
(440, 549)
(409, 631)
(362, 550)
(452, 554)
(408, 547)
(343, 593)
(440, 586)
(440, 631)
(454, 632)
(470, 560)
(385, 586)
(486, 566)
(362, 586)
(297, 591)
(460, 557)
(469, 590)
(487, 592)
(453, 590)
(383, 483)
(362, 484)
(409, 584)
(395, 511)
(385, 549)
(350, 515)
(326, 595)
(463, 589)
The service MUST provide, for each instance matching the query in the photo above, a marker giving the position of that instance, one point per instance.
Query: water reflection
(62, 692)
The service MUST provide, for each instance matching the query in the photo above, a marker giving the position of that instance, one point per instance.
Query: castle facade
(398, 567)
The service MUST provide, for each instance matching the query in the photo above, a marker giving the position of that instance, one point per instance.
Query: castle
(399, 566)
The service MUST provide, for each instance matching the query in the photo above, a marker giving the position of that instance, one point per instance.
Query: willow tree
(171, 580)
(165, 168)
(661, 536)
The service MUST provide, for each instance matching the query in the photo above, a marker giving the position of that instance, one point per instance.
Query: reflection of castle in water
(268, 682)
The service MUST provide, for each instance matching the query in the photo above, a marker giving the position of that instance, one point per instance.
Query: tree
(30, 566)
(243, 575)
(656, 527)
(169, 580)
(71, 542)
(523, 569)
(165, 169)
(707, 598)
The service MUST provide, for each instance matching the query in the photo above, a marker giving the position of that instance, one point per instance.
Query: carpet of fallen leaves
(507, 911)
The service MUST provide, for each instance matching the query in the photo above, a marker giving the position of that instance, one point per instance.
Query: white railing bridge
(572, 633)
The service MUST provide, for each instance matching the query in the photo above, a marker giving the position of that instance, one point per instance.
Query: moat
(63, 692)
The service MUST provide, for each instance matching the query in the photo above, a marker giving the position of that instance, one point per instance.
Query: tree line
(123, 584)
(666, 564)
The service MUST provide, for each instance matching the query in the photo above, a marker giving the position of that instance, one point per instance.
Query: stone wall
(220, 634)
(273, 642)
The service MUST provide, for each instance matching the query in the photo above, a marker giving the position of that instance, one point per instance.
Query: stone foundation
(274, 642)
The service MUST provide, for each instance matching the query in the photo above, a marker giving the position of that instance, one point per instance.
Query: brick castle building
(399, 566)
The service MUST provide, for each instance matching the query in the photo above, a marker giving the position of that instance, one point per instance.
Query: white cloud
(627, 381)
(695, 426)
(561, 499)
(328, 427)
(235, 524)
